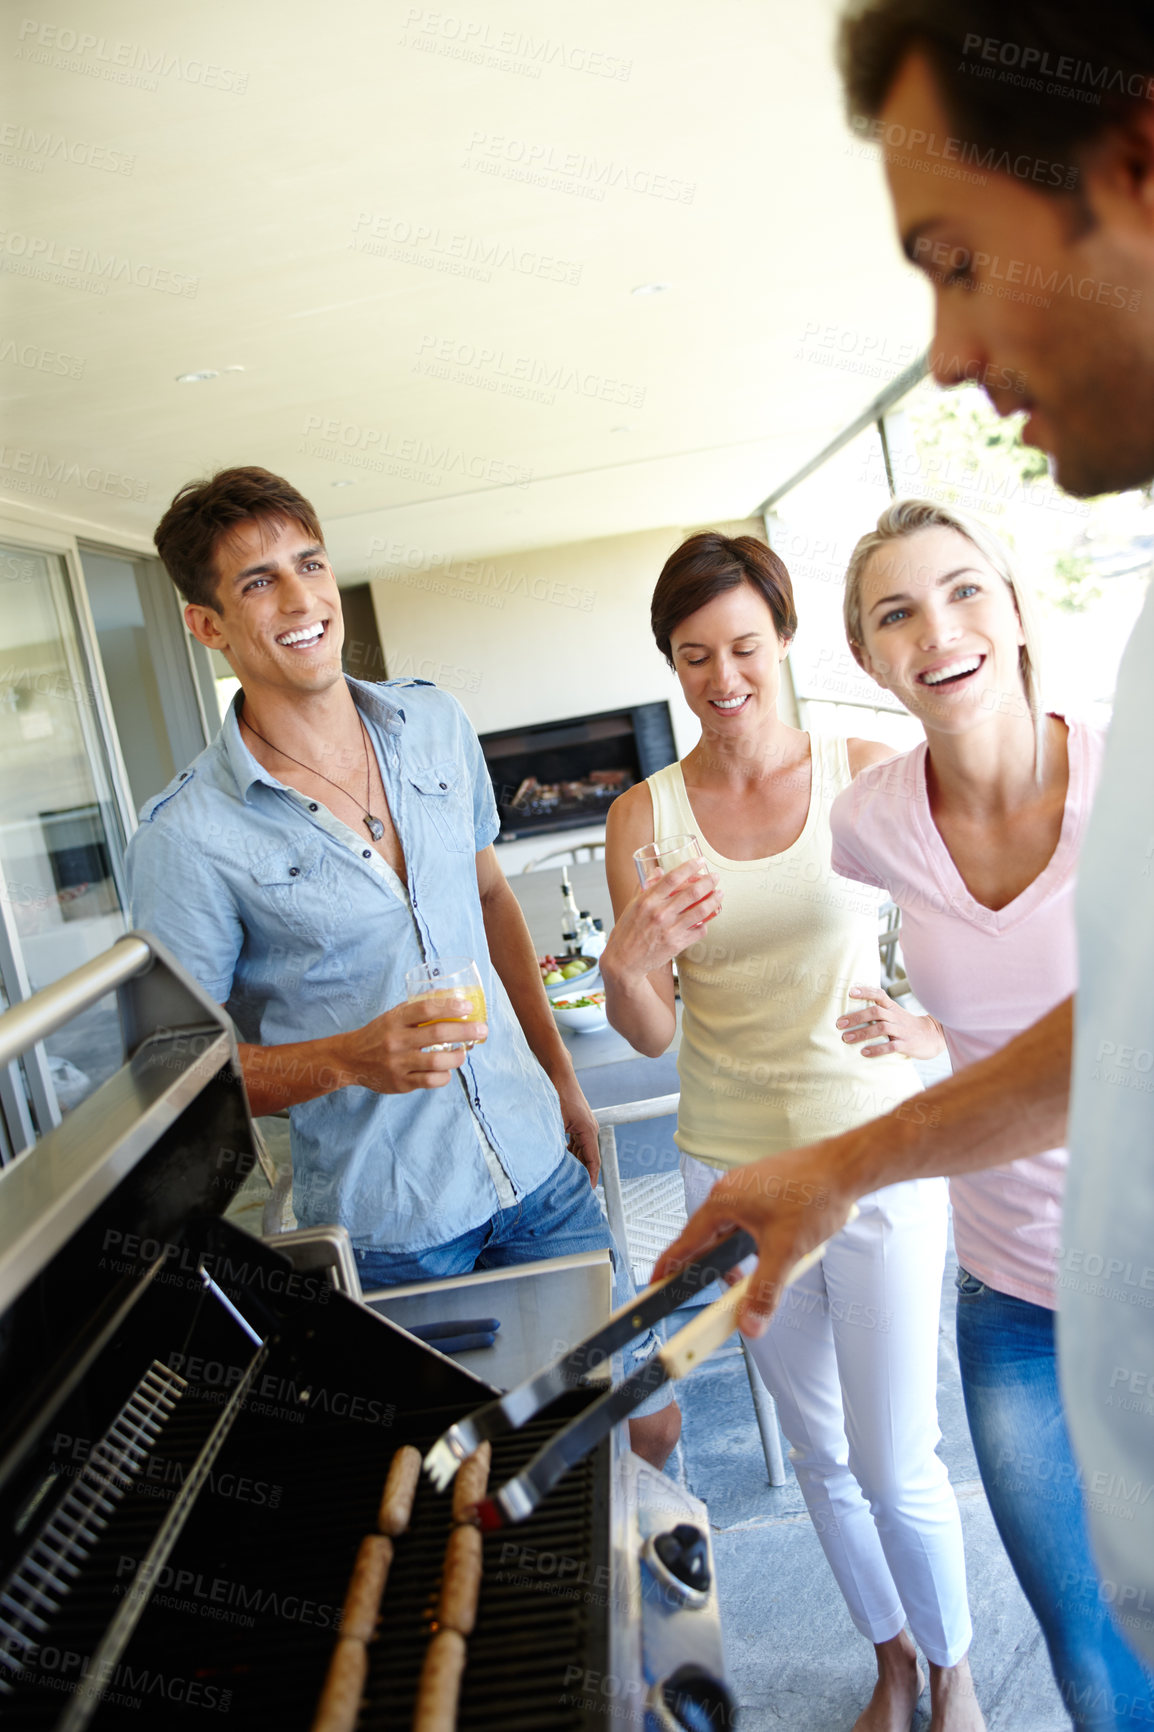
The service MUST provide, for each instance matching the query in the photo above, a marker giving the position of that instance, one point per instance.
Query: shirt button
(368, 853)
(442, 785)
(294, 871)
(312, 805)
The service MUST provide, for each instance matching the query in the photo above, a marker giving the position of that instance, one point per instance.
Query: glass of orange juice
(448, 977)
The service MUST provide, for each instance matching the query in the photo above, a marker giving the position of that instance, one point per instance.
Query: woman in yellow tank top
(771, 949)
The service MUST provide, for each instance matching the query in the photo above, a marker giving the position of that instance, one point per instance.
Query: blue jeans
(1007, 1359)
(559, 1219)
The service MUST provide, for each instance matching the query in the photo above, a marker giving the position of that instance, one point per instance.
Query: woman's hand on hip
(890, 1028)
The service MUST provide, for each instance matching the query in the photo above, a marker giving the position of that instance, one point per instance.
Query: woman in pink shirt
(975, 835)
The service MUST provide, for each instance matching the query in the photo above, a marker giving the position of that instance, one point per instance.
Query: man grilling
(1042, 269)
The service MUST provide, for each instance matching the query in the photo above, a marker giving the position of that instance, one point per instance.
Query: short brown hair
(205, 512)
(706, 566)
(1020, 112)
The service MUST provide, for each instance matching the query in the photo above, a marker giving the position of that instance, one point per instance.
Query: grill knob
(692, 1700)
(680, 1561)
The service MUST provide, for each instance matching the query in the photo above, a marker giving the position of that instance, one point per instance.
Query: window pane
(1085, 561)
(130, 673)
(814, 529)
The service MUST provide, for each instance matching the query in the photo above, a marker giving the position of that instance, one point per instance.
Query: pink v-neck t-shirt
(985, 974)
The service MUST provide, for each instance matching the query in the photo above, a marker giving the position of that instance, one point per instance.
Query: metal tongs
(574, 1370)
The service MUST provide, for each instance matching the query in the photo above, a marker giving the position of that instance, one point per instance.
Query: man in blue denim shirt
(332, 836)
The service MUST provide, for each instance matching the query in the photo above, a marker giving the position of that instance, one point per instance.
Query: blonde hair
(906, 517)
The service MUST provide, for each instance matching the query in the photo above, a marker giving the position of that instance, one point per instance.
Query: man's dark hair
(205, 513)
(1041, 80)
(707, 565)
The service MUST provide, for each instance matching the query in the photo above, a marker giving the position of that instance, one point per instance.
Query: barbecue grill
(196, 1436)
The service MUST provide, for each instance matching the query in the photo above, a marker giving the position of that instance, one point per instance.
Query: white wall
(534, 637)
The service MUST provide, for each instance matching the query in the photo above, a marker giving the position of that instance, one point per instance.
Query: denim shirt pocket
(444, 800)
(300, 890)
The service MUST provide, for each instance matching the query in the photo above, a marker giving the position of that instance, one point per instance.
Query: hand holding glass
(664, 854)
(448, 977)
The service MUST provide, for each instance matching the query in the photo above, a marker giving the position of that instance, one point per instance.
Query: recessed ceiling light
(197, 378)
(650, 289)
(342, 483)
(622, 429)
(233, 369)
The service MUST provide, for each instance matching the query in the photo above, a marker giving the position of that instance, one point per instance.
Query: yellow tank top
(762, 1066)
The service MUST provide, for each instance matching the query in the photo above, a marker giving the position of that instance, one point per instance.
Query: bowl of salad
(582, 1012)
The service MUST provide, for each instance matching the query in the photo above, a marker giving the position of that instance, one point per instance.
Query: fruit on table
(554, 968)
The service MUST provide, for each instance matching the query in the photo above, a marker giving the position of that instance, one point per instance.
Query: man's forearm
(515, 959)
(283, 1076)
(1005, 1107)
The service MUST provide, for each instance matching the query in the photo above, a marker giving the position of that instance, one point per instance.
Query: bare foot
(900, 1683)
(953, 1704)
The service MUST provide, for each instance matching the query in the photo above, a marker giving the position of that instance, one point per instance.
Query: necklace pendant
(374, 827)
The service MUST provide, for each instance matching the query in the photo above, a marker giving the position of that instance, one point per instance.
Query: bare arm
(515, 959)
(1010, 1105)
(651, 926)
(385, 1055)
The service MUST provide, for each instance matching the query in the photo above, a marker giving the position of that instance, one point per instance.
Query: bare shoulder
(629, 821)
(628, 824)
(863, 753)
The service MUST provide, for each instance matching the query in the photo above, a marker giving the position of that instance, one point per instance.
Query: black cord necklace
(373, 825)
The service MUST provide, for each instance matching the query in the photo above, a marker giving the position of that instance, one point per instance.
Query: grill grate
(255, 1652)
(243, 1615)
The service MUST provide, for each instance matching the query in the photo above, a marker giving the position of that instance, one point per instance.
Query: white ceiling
(711, 133)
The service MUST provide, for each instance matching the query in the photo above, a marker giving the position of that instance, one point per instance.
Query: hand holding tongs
(675, 1359)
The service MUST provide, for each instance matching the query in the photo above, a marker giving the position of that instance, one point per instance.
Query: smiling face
(941, 632)
(277, 619)
(1043, 301)
(728, 658)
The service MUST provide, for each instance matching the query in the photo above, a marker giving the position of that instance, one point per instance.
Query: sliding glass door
(62, 834)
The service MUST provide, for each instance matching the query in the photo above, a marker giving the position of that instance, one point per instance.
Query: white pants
(851, 1358)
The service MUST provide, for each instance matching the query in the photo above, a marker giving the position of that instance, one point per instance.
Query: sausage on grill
(461, 1581)
(400, 1490)
(471, 1483)
(363, 1600)
(440, 1683)
(340, 1701)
